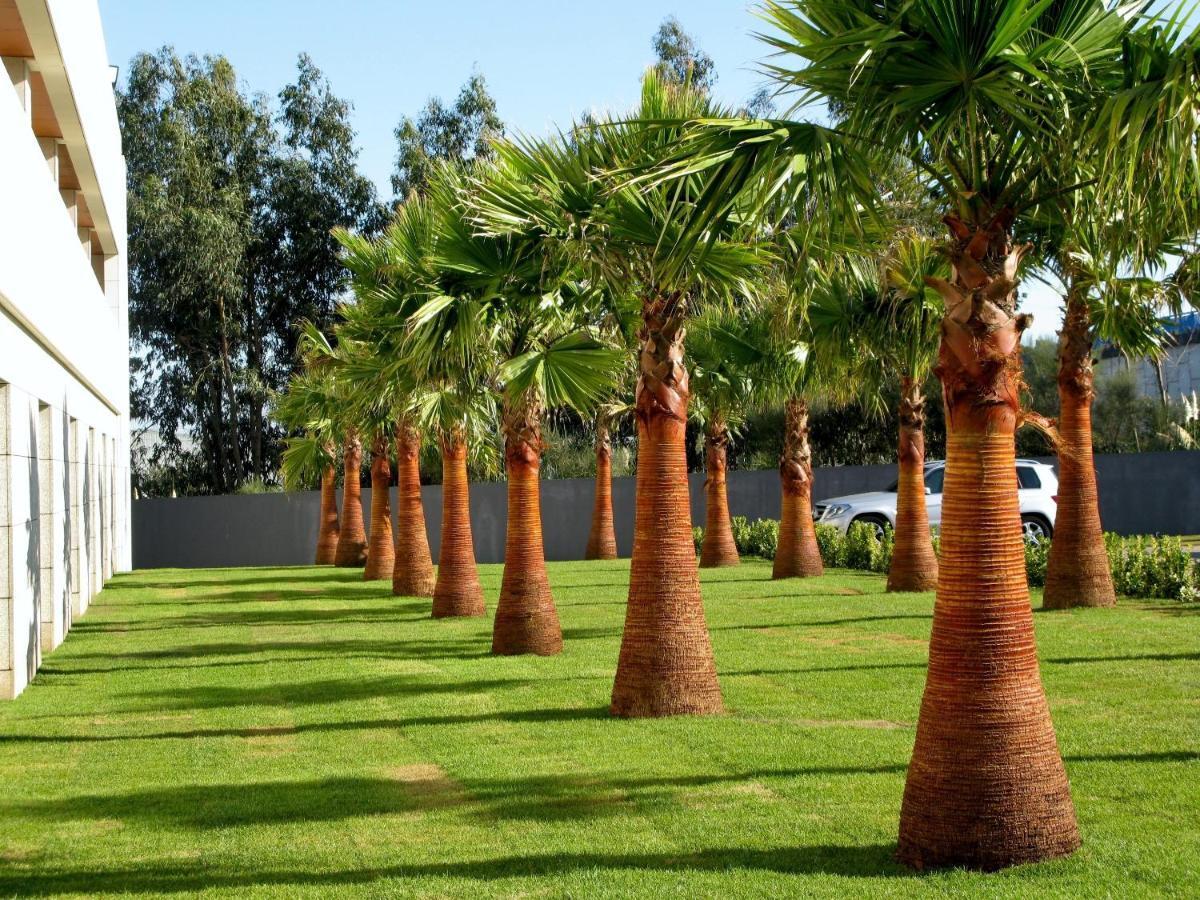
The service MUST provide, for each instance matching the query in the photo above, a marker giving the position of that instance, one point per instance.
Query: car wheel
(878, 524)
(1036, 529)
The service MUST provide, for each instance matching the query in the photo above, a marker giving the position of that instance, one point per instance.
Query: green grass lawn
(299, 732)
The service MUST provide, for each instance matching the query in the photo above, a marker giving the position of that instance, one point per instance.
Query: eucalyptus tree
(993, 102)
(723, 346)
(563, 199)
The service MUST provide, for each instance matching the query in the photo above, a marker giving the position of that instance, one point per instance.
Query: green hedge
(1141, 566)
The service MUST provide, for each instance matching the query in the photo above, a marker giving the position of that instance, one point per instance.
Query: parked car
(1038, 494)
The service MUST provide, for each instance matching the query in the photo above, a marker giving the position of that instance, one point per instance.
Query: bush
(1141, 566)
(1037, 554)
(1152, 567)
(832, 544)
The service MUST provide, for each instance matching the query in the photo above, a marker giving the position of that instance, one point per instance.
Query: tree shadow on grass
(192, 578)
(411, 788)
(1133, 657)
(313, 693)
(869, 667)
(751, 626)
(874, 861)
(281, 616)
(394, 724)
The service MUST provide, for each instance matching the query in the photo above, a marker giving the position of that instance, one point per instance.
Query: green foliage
(258, 486)
(1152, 567)
(1037, 555)
(231, 205)
(458, 134)
(832, 545)
(680, 60)
(1142, 566)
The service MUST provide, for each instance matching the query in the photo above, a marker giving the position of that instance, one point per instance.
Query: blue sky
(545, 61)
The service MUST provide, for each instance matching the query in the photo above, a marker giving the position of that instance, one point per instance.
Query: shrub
(1152, 567)
(1037, 553)
(832, 544)
(1141, 566)
(762, 538)
(860, 547)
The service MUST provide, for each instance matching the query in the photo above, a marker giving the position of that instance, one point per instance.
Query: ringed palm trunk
(914, 564)
(412, 574)
(986, 786)
(797, 555)
(381, 552)
(352, 538)
(1077, 572)
(666, 664)
(457, 591)
(526, 620)
(718, 547)
(602, 539)
(327, 533)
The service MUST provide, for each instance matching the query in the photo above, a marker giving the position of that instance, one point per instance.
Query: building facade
(1176, 375)
(64, 329)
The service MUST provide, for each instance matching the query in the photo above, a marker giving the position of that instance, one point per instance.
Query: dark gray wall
(1140, 493)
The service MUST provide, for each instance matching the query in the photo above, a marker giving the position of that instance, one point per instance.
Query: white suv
(1038, 493)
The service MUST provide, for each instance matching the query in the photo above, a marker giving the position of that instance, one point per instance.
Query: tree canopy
(231, 203)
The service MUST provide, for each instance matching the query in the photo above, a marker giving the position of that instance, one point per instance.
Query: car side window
(934, 479)
(1028, 478)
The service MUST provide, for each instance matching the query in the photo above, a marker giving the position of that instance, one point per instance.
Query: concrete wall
(64, 332)
(1140, 494)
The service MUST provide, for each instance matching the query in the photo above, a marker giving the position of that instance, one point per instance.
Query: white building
(1177, 374)
(64, 329)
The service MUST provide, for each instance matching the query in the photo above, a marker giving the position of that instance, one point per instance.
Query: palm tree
(561, 198)
(723, 353)
(1105, 260)
(549, 357)
(450, 346)
(988, 100)
(620, 323)
(309, 405)
(602, 536)
(319, 353)
(884, 310)
(387, 273)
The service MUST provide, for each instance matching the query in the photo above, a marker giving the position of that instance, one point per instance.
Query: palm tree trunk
(381, 552)
(412, 574)
(1077, 572)
(797, 555)
(327, 533)
(526, 620)
(718, 547)
(986, 786)
(666, 664)
(352, 539)
(457, 591)
(602, 540)
(914, 564)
